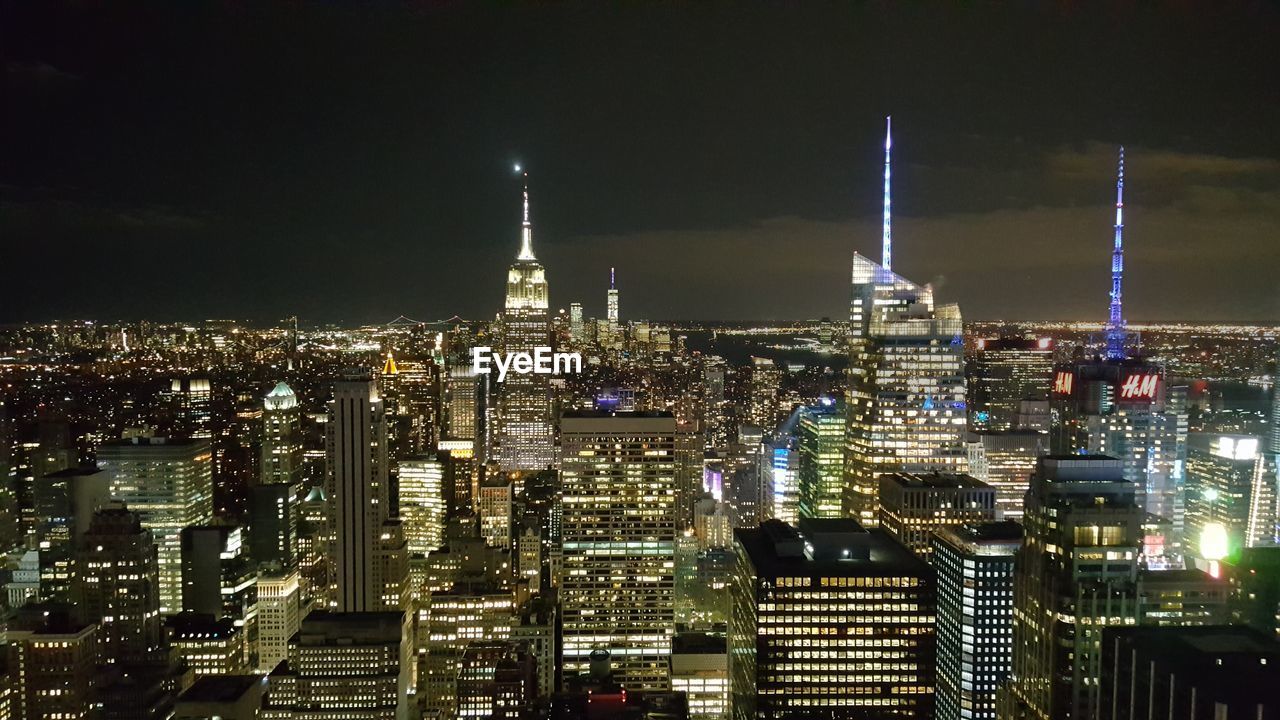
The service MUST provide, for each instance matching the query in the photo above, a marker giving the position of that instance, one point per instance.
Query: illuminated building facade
(279, 615)
(494, 508)
(830, 620)
(762, 403)
(448, 622)
(617, 591)
(914, 506)
(422, 502)
(1182, 597)
(1230, 495)
(218, 577)
(1005, 461)
(281, 438)
(905, 400)
(1123, 409)
(53, 671)
(611, 308)
(975, 616)
(495, 682)
(821, 446)
(208, 645)
(1075, 574)
(781, 469)
(169, 483)
(700, 670)
(356, 666)
(1002, 373)
(368, 558)
(525, 436)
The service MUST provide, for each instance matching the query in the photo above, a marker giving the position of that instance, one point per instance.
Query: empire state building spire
(526, 229)
(1115, 321)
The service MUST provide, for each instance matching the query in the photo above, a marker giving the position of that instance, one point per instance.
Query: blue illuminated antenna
(1115, 321)
(887, 236)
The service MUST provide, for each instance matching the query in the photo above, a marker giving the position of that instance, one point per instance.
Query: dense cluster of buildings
(217, 522)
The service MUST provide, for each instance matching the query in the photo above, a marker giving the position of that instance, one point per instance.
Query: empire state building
(524, 434)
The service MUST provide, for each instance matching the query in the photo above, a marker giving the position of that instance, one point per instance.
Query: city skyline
(732, 175)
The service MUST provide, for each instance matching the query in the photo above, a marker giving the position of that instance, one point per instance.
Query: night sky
(179, 160)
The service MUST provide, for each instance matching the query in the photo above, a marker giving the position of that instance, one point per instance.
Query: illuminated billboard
(1063, 382)
(1139, 386)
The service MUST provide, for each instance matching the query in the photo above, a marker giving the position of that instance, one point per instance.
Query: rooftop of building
(698, 643)
(827, 548)
(934, 481)
(580, 414)
(73, 472)
(996, 532)
(155, 442)
(1218, 641)
(220, 688)
(1180, 576)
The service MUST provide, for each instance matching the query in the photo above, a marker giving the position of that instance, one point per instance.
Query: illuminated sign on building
(1063, 382)
(1139, 386)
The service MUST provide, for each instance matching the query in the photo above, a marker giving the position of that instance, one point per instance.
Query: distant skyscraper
(612, 299)
(829, 621)
(821, 446)
(780, 465)
(218, 578)
(1230, 495)
(975, 616)
(169, 483)
(279, 616)
(1075, 574)
(577, 328)
(368, 559)
(524, 430)
(765, 383)
(281, 438)
(1273, 435)
(191, 402)
(53, 666)
(1005, 461)
(915, 506)
(119, 568)
(1002, 373)
(618, 586)
(422, 502)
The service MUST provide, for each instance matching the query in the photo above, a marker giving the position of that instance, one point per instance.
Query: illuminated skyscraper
(1231, 496)
(524, 439)
(915, 506)
(975, 616)
(618, 588)
(577, 328)
(1075, 574)
(52, 666)
(905, 397)
(169, 483)
(281, 438)
(1002, 373)
(279, 615)
(368, 555)
(780, 467)
(422, 503)
(829, 621)
(765, 383)
(1005, 461)
(118, 567)
(821, 445)
(612, 308)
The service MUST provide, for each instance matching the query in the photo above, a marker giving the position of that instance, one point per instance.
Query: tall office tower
(830, 621)
(1119, 406)
(524, 439)
(1230, 496)
(281, 438)
(700, 670)
(1074, 575)
(1273, 435)
(821, 446)
(975, 616)
(762, 393)
(495, 511)
(218, 578)
(368, 559)
(354, 665)
(52, 661)
(191, 402)
(10, 514)
(1201, 672)
(1005, 461)
(422, 502)
(65, 503)
(416, 411)
(535, 628)
(689, 470)
(618, 589)
(274, 513)
(461, 471)
(461, 388)
(715, 407)
(169, 483)
(905, 397)
(448, 621)
(279, 615)
(780, 464)
(496, 681)
(612, 309)
(577, 328)
(118, 589)
(1003, 372)
(915, 506)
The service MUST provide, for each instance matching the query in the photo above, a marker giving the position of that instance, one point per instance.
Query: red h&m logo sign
(1141, 386)
(1063, 382)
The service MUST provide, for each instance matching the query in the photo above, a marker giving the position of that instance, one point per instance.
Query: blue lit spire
(1115, 322)
(887, 237)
